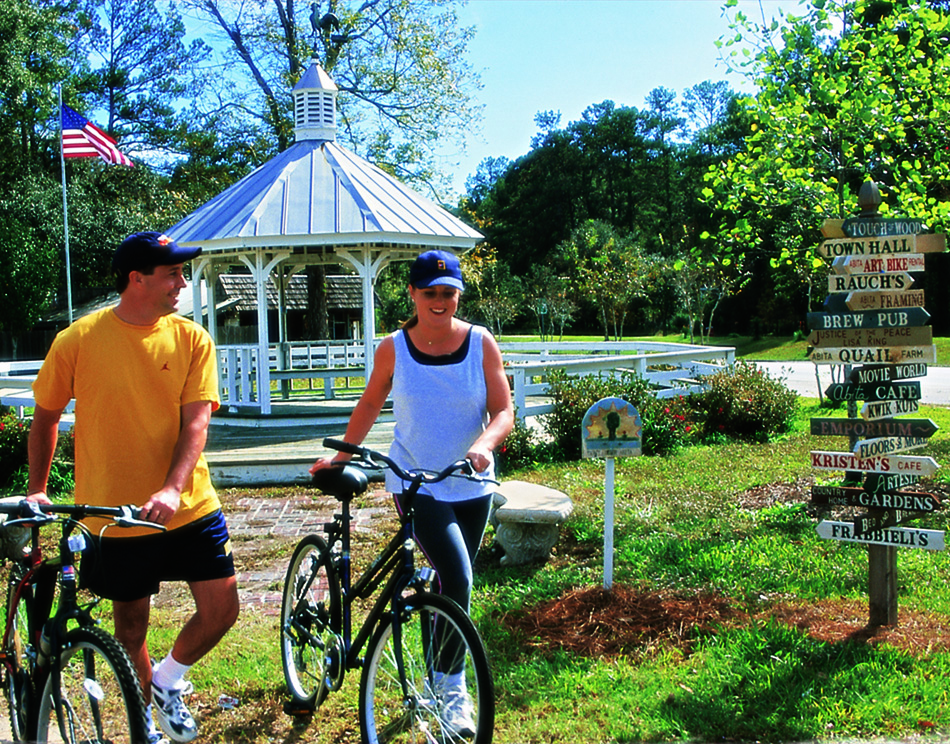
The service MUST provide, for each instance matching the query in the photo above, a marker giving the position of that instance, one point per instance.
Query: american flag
(83, 139)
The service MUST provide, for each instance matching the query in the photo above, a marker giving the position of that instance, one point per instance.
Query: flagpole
(62, 165)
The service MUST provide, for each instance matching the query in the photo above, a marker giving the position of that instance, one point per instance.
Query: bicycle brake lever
(127, 519)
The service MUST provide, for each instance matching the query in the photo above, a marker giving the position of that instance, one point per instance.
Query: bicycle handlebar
(27, 512)
(458, 469)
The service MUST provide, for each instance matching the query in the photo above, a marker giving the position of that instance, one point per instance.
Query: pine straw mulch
(623, 620)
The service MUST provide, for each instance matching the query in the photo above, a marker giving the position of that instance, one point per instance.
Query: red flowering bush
(745, 403)
(13, 453)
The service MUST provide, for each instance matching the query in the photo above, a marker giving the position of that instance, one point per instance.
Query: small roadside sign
(864, 523)
(912, 316)
(850, 337)
(882, 409)
(870, 282)
(883, 483)
(886, 373)
(884, 300)
(897, 464)
(888, 445)
(873, 355)
(858, 226)
(854, 427)
(878, 264)
(850, 496)
(898, 537)
(843, 391)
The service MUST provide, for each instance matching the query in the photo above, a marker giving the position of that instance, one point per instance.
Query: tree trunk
(317, 320)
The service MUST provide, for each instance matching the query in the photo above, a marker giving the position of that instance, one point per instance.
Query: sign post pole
(609, 524)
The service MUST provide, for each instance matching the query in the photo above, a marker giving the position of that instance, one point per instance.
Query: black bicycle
(66, 679)
(425, 675)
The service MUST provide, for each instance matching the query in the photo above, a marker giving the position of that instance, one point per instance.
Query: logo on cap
(163, 240)
(441, 265)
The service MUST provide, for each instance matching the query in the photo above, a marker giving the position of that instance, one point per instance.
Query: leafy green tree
(847, 90)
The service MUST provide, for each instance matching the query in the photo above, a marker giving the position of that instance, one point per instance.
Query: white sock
(169, 673)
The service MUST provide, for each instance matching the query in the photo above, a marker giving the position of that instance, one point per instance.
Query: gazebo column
(260, 271)
(368, 269)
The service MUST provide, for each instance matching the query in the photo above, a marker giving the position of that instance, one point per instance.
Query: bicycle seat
(343, 483)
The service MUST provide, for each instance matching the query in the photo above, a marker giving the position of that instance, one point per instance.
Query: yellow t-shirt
(129, 383)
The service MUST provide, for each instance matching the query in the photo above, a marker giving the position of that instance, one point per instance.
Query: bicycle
(413, 638)
(69, 684)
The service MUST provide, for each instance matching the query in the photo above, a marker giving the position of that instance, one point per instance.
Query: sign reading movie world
(876, 326)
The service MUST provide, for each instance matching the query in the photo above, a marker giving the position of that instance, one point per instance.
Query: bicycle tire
(101, 694)
(311, 650)
(17, 651)
(421, 714)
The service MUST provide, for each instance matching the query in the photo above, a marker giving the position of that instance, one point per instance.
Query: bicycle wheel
(100, 693)
(444, 692)
(311, 649)
(19, 664)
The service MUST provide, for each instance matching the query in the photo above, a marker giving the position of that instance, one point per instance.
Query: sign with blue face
(611, 428)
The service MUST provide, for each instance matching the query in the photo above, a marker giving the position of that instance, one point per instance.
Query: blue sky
(564, 55)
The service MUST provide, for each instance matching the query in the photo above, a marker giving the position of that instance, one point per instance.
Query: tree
(401, 62)
(833, 109)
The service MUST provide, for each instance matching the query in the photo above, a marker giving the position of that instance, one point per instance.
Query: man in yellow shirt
(145, 384)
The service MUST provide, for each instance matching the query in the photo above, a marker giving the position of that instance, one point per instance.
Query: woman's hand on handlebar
(479, 457)
(39, 497)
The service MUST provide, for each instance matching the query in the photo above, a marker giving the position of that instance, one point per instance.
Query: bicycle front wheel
(311, 650)
(18, 659)
(426, 677)
(100, 697)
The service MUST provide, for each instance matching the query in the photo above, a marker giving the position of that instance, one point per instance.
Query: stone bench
(527, 518)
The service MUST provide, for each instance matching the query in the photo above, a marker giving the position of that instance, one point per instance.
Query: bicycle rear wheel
(18, 648)
(311, 649)
(100, 692)
(426, 677)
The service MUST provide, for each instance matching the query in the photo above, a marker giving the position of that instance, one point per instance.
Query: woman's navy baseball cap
(145, 250)
(433, 268)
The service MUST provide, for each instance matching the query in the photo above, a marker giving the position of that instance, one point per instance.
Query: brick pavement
(288, 519)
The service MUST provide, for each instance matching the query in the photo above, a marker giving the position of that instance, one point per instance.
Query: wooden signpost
(874, 319)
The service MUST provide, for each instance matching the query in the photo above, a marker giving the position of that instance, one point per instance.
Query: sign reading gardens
(875, 320)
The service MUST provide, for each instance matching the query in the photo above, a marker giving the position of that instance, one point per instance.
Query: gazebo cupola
(315, 105)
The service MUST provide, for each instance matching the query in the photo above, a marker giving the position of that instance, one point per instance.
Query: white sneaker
(172, 713)
(458, 713)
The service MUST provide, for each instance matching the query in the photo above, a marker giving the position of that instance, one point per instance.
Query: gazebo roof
(317, 193)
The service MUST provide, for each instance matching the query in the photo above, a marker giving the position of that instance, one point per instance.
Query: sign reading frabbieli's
(877, 355)
(851, 337)
(898, 537)
(878, 264)
(912, 316)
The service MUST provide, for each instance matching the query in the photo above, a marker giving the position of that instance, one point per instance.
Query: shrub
(517, 451)
(745, 403)
(13, 445)
(668, 424)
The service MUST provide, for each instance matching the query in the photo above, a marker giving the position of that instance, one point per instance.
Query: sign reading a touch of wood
(912, 316)
(850, 337)
(882, 409)
(857, 227)
(899, 537)
(876, 355)
(848, 496)
(901, 464)
(853, 427)
(878, 264)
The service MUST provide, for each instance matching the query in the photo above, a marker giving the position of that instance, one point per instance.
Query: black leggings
(449, 533)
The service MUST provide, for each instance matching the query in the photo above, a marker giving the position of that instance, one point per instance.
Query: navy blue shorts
(130, 568)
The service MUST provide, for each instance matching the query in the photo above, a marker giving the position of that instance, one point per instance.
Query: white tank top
(440, 407)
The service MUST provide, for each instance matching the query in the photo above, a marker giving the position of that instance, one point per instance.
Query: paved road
(800, 377)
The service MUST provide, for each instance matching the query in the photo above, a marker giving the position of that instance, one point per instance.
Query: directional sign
(878, 264)
(899, 537)
(858, 226)
(917, 336)
(887, 409)
(886, 373)
(881, 484)
(888, 445)
(914, 316)
(878, 355)
(900, 464)
(884, 300)
(870, 282)
(899, 245)
(846, 496)
(847, 427)
(871, 521)
(842, 391)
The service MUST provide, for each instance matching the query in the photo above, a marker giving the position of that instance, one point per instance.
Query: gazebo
(313, 204)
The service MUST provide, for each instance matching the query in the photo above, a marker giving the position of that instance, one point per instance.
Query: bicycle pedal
(298, 709)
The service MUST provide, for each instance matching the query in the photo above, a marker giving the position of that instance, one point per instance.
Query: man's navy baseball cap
(433, 268)
(144, 251)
